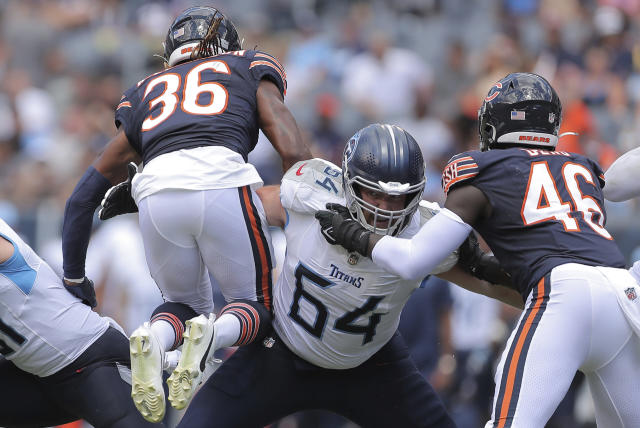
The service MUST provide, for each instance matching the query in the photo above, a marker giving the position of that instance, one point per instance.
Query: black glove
(83, 291)
(480, 264)
(338, 228)
(118, 198)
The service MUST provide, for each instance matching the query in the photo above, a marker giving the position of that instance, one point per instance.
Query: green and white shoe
(197, 349)
(146, 373)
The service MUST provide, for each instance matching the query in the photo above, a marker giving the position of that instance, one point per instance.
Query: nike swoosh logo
(204, 356)
(300, 169)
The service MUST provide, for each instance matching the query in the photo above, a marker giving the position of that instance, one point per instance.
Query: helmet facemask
(397, 220)
(386, 160)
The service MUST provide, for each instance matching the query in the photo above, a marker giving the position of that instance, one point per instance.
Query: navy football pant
(90, 388)
(259, 385)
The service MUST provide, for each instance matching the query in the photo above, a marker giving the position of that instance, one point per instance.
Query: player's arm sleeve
(110, 167)
(78, 219)
(265, 66)
(427, 211)
(415, 258)
(623, 177)
(125, 118)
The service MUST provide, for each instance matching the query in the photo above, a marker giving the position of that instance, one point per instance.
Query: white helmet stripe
(393, 142)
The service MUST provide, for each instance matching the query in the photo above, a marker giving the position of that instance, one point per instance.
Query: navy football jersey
(206, 102)
(548, 209)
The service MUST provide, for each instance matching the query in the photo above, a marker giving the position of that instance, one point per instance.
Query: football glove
(84, 291)
(480, 264)
(118, 198)
(338, 228)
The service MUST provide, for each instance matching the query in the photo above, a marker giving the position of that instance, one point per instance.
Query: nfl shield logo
(631, 293)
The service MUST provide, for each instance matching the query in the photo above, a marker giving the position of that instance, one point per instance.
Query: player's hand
(118, 198)
(83, 290)
(338, 228)
(480, 264)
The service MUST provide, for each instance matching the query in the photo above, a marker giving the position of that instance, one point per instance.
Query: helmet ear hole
(490, 132)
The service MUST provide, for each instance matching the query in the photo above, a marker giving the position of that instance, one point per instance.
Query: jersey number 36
(191, 92)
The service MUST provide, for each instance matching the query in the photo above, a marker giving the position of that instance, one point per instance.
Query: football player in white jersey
(62, 361)
(623, 183)
(623, 177)
(335, 345)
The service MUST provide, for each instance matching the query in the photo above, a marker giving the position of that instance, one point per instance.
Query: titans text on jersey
(332, 308)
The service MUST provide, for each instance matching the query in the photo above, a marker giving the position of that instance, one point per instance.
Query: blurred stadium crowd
(422, 64)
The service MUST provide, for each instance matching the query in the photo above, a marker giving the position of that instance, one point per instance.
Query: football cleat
(146, 373)
(198, 348)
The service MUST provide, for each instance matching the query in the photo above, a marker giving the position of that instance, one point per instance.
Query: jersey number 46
(542, 201)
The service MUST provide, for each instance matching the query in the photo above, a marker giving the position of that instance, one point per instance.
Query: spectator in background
(454, 78)
(435, 140)
(577, 118)
(326, 137)
(381, 82)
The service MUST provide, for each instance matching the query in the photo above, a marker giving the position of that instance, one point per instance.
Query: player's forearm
(279, 125)
(270, 198)
(416, 257)
(463, 279)
(287, 140)
(78, 218)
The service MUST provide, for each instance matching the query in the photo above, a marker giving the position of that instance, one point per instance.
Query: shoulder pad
(310, 184)
(264, 65)
(461, 167)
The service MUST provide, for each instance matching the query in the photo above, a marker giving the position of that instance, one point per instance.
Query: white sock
(171, 359)
(227, 331)
(165, 334)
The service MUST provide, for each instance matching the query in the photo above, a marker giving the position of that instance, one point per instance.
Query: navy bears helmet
(386, 159)
(522, 109)
(199, 30)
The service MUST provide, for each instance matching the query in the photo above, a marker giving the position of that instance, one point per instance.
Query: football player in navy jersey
(542, 213)
(192, 126)
(335, 344)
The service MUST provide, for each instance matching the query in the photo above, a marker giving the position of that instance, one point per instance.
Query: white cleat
(199, 340)
(146, 373)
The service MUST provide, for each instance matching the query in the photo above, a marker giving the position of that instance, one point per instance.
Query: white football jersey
(43, 328)
(333, 308)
